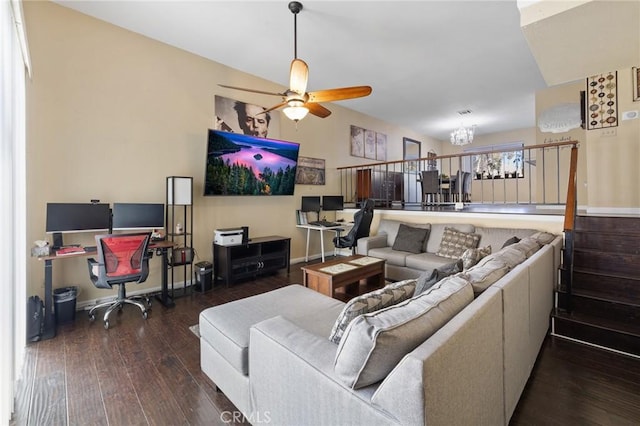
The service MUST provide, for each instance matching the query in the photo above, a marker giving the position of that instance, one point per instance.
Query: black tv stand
(258, 256)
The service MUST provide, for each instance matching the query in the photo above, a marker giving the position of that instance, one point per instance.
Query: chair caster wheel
(92, 317)
(145, 315)
(148, 303)
(106, 325)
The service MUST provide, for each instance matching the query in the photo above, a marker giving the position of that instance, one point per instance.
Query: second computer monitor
(134, 216)
(332, 202)
(310, 204)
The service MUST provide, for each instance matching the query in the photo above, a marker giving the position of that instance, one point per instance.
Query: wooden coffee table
(350, 273)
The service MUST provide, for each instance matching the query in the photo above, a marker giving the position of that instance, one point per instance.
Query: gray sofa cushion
(390, 227)
(509, 255)
(429, 278)
(496, 237)
(426, 261)
(481, 277)
(393, 257)
(373, 344)
(410, 239)
(543, 237)
(454, 243)
(528, 246)
(371, 302)
(226, 327)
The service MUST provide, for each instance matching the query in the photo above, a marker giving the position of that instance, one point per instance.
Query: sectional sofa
(458, 353)
(402, 264)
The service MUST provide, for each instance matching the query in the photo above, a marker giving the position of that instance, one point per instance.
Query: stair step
(594, 304)
(611, 334)
(610, 287)
(610, 224)
(616, 264)
(607, 242)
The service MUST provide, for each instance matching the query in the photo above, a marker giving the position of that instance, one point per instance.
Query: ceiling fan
(296, 100)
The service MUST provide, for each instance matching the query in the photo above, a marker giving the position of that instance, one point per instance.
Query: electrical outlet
(611, 131)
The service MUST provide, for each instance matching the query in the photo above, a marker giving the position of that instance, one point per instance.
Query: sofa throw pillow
(543, 237)
(410, 239)
(427, 279)
(374, 343)
(454, 243)
(481, 277)
(371, 302)
(473, 255)
(528, 246)
(510, 241)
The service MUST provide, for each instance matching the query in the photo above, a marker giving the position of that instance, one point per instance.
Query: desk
(337, 229)
(49, 318)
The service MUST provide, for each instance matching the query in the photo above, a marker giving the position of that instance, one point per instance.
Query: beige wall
(111, 114)
(609, 159)
(613, 162)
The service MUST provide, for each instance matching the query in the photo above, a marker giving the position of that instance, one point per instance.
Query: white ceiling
(425, 60)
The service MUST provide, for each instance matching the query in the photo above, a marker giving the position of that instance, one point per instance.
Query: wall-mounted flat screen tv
(239, 164)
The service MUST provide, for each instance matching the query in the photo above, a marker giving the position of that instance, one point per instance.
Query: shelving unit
(179, 228)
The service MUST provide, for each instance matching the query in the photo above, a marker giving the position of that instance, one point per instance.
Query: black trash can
(64, 300)
(204, 276)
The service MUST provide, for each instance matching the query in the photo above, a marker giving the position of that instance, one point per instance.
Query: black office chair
(122, 258)
(361, 226)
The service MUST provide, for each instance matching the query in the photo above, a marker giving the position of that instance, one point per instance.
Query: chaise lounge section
(272, 356)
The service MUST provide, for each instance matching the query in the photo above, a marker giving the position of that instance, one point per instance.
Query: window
(505, 161)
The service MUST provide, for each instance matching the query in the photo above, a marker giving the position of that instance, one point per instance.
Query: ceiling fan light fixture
(296, 111)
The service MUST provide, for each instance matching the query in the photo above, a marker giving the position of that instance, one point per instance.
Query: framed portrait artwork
(635, 75)
(240, 117)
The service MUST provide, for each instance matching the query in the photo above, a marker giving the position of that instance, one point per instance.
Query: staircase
(603, 308)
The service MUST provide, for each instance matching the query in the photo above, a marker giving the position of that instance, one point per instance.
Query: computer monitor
(76, 217)
(332, 202)
(134, 216)
(310, 204)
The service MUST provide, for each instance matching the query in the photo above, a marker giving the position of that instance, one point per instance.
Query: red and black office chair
(122, 258)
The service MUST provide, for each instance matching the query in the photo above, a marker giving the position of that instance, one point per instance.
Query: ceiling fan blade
(330, 95)
(273, 107)
(251, 90)
(317, 110)
(298, 76)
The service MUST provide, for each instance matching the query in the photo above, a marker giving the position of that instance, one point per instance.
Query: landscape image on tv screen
(239, 164)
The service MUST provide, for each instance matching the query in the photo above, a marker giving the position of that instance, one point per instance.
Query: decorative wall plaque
(602, 101)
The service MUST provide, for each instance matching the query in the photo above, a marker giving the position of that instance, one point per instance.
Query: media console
(258, 256)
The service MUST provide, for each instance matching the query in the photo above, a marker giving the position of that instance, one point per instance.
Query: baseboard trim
(593, 345)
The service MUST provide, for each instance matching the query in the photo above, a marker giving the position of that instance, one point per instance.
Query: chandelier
(462, 135)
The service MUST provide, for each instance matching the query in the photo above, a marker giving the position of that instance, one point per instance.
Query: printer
(231, 236)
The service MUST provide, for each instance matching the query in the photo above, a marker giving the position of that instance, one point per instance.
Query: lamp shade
(179, 190)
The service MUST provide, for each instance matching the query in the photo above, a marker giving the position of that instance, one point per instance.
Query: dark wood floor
(148, 372)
